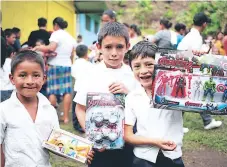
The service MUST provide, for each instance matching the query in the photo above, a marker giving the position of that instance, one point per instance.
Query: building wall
(24, 15)
(89, 35)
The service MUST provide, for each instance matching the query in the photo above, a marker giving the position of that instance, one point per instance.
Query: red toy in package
(191, 92)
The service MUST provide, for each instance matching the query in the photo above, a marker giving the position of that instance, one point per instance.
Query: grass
(193, 140)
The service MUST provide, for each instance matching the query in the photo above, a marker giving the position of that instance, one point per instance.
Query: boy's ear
(11, 79)
(98, 46)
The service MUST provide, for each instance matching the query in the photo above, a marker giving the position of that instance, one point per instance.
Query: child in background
(6, 86)
(10, 37)
(109, 76)
(81, 68)
(159, 135)
(27, 118)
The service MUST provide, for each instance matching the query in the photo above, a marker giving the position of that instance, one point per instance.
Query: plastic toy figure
(161, 90)
(205, 66)
(179, 89)
(209, 88)
(198, 85)
(224, 97)
(189, 79)
(217, 71)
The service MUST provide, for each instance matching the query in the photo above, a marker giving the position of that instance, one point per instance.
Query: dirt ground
(204, 157)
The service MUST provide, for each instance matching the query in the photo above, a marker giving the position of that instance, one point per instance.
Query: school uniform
(22, 138)
(153, 123)
(100, 80)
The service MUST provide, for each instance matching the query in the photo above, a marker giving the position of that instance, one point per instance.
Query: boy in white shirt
(27, 118)
(110, 76)
(159, 135)
(81, 68)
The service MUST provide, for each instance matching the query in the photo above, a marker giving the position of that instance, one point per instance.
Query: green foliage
(169, 14)
(216, 10)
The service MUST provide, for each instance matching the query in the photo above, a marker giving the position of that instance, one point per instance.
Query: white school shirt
(153, 123)
(102, 77)
(81, 68)
(4, 76)
(65, 44)
(21, 137)
(193, 40)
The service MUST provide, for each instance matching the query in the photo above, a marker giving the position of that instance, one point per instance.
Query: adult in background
(17, 44)
(163, 37)
(108, 16)
(59, 81)
(225, 39)
(180, 30)
(42, 33)
(193, 40)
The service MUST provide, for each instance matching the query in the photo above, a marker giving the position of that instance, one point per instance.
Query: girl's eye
(108, 47)
(22, 75)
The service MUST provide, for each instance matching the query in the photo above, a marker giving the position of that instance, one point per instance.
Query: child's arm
(140, 140)
(2, 157)
(81, 114)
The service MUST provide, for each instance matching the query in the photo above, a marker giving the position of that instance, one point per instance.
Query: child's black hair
(60, 22)
(179, 26)
(110, 13)
(26, 55)
(79, 36)
(42, 22)
(81, 50)
(136, 29)
(113, 29)
(166, 23)
(15, 30)
(41, 41)
(8, 32)
(143, 49)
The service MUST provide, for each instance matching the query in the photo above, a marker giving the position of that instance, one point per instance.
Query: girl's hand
(166, 145)
(117, 87)
(90, 157)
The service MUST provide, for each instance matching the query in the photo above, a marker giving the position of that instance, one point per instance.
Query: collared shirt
(21, 137)
(193, 40)
(4, 76)
(101, 78)
(153, 123)
(81, 68)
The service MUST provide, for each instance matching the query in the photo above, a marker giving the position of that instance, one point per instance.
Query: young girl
(27, 117)
(159, 135)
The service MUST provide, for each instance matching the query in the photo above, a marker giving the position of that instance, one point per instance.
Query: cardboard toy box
(208, 64)
(68, 145)
(190, 92)
(105, 120)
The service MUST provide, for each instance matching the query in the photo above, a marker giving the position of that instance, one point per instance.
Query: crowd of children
(27, 117)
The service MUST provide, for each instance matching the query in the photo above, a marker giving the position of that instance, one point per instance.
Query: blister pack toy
(68, 145)
(191, 92)
(105, 120)
(208, 64)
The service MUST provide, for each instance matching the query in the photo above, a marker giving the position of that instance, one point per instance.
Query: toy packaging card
(68, 145)
(191, 92)
(105, 120)
(208, 64)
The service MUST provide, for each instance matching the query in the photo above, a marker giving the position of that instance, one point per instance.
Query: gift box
(105, 120)
(68, 145)
(176, 90)
(208, 64)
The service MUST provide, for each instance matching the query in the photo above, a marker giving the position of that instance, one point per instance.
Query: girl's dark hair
(60, 22)
(143, 49)
(27, 55)
(167, 24)
(136, 29)
(110, 13)
(216, 37)
(179, 26)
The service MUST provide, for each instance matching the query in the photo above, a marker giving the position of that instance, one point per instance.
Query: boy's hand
(90, 156)
(117, 87)
(166, 145)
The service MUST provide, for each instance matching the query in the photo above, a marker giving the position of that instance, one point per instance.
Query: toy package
(68, 145)
(105, 120)
(191, 92)
(208, 64)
